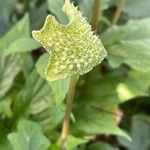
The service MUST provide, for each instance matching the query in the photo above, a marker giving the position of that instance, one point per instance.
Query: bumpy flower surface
(74, 49)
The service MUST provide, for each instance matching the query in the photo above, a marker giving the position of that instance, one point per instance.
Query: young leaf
(29, 136)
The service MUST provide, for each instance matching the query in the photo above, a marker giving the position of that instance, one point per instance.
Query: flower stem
(69, 104)
(118, 12)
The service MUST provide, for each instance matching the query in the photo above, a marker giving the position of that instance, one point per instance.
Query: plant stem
(118, 12)
(94, 23)
(69, 104)
(95, 14)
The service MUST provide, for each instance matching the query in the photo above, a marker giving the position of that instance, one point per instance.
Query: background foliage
(109, 110)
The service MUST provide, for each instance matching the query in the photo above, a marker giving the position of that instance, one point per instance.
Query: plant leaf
(101, 146)
(137, 9)
(55, 7)
(35, 89)
(92, 122)
(85, 7)
(22, 45)
(20, 30)
(9, 68)
(59, 87)
(140, 133)
(125, 43)
(28, 137)
(74, 141)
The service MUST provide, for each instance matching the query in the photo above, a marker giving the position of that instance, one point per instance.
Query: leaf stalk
(118, 12)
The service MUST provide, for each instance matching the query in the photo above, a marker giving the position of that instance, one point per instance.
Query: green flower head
(74, 49)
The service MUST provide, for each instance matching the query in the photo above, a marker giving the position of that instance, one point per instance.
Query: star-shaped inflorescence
(74, 49)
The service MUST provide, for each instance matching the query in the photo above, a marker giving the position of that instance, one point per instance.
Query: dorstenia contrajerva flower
(74, 49)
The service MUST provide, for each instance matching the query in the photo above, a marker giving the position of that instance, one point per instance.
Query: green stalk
(95, 14)
(69, 104)
(118, 11)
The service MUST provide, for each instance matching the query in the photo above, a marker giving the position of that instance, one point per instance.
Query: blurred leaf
(59, 87)
(26, 68)
(9, 68)
(55, 7)
(4, 22)
(20, 30)
(35, 89)
(42, 64)
(101, 101)
(7, 5)
(93, 122)
(135, 85)
(4, 144)
(36, 21)
(122, 88)
(140, 133)
(49, 118)
(73, 142)
(85, 7)
(5, 107)
(100, 146)
(22, 45)
(124, 44)
(6, 8)
(28, 137)
(137, 9)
